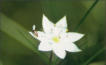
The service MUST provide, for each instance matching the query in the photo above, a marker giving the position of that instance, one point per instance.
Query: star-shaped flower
(55, 37)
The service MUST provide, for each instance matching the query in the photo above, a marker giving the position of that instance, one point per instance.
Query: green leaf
(86, 14)
(94, 56)
(22, 35)
(91, 49)
(1, 63)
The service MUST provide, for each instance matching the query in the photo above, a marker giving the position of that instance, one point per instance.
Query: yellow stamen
(54, 24)
(67, 30)
(55, 39)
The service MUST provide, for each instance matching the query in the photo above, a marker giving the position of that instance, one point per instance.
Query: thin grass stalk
(85, 16)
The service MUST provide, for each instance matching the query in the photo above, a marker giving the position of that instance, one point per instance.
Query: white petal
(33, 27)
(47, 25)
(74, 36)
(33, 35)
(61, 25)
(62, 22)
(71, 47)
(59, 52)
(45, 46)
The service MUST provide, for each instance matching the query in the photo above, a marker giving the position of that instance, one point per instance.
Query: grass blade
(86, 14)
(91, 58)
(17, 32)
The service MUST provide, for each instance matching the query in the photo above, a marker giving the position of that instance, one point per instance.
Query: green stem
(59, 63)
(90, 59)
(82, 21)
(86, 14)
(51, 57)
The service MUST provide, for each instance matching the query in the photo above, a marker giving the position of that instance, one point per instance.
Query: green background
(17, 47)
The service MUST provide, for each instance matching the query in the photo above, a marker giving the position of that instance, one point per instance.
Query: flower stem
(51, 57)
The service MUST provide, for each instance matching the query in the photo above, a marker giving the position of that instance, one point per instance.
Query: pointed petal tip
(44, 16)
(33, 27)
(72, 48)
(62, 57)
(75, 36)
(79, 50)
(82, 35)
(60, 54)
(47, 24)
(64, 17)
(31, 33)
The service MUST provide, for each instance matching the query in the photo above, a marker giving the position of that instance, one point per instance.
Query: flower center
(55, 39)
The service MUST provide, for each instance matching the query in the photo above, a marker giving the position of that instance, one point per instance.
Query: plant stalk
(51, 57)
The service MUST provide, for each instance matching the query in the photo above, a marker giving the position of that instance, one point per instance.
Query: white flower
(56, 38)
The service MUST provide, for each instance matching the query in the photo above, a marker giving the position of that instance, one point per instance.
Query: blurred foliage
(17, 47)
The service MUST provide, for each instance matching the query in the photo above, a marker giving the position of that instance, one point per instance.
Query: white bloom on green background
(55, 37)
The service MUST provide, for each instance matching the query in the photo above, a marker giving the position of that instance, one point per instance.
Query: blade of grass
(84, 17)
(1, 63)
(95, 55)
(81, 22)
(17, 32)
(86, 14)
